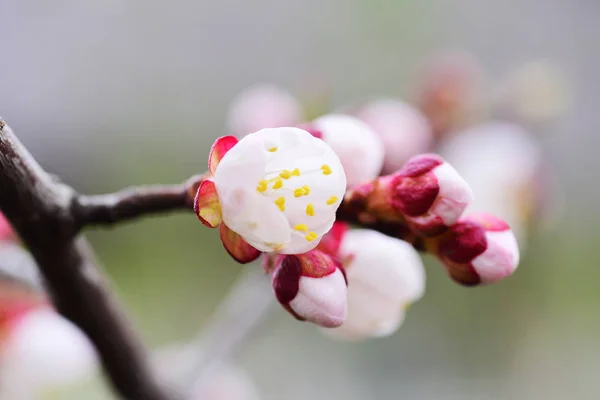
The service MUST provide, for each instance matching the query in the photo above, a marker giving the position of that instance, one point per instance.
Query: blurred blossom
(262, 106)
(479, 249)
(404, 130)
(385, 275)
(449, 92)
(359, 148)
(276, 190)
(16, 264)
(312, 287)
(230, 383)
(227, 382)
(536, 92)
(501, 162)
(6, 231)
(40, 351)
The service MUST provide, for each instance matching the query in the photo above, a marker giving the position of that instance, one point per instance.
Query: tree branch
(40, 210)
(141, 201)
(128, 204)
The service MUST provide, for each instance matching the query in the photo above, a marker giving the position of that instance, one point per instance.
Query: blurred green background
(110, 93)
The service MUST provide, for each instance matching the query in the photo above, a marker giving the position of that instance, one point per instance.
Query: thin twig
(39, 209)
(135, 202)
(235, 321)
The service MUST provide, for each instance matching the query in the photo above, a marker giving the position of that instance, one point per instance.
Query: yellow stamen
(310, 210)
(299, 192)
(280, 202)
(326, 169)
(273, 149)
(295, 172)
(306, 190)
(310, 236)
(262, 186)
(301, 227)
(331, 200)
(278, 184)
(285, 174)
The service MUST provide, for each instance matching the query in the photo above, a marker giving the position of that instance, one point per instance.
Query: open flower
(276, 190)
(262, 106)
(312, 287)
(40, 351)
(479, 249)
(385, 275)
(430, 193)
(404, 130)
(359, 148)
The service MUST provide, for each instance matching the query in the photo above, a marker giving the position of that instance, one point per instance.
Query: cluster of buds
(40, 351)
(277, 191)
(430, 197)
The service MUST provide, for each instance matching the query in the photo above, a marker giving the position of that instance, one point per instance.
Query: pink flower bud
(479, 249)
(404, 130)
(430, 193)
(312, 287)
(6, 230)
(385, 275)
(359, 148)
(262, 106)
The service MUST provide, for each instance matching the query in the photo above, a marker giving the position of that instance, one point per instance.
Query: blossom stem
(238, 317)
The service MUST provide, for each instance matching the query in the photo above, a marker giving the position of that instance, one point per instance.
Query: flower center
(291, 189)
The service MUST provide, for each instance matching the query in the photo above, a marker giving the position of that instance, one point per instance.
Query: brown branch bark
(131, 203)
(40, 210)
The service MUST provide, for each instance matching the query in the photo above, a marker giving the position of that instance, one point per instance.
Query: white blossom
(385, 275)
(279, 189)
(359, 148)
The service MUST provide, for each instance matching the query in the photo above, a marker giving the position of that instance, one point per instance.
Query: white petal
(44, 351)
(359, 148)
(322, 300)
(384, 276)
(500, 259)
(390, 267)
(454, 195)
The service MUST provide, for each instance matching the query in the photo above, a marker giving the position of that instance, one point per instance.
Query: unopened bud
(6, 231)
(359, 148)
(312, 287)
(404, 130)
(262, 106)
(430, 194)
(479, 249)
(385, 275)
